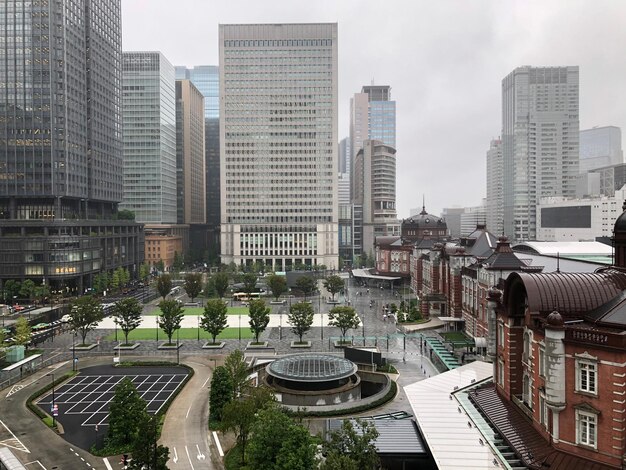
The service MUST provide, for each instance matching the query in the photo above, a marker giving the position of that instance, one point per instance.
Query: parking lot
(83, 402)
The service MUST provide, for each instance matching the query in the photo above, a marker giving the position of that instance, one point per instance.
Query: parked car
(66, 318)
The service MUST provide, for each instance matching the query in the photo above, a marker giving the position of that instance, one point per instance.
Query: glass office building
(60, 144)
(149, 117)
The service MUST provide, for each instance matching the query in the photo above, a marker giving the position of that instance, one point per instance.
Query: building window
(586, 428)
(501, 372)
(543, 410)
(542, 361)
(501, 334)
(587, 377)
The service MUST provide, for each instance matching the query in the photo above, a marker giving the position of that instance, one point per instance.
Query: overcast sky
(443, 59)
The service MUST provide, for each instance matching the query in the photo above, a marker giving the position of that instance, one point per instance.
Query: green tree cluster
(277, 284)
(127, 315)
(306, 285)
(172, 314)
(344, 318)
(164, 285)
(300, 318)
(333, 284)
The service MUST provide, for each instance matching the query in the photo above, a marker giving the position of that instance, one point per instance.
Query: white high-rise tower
(540, 135)
(278, 158)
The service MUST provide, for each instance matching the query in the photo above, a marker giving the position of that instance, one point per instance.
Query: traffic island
(213, 345)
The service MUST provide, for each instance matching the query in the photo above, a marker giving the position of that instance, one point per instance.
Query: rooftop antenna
(558, 263)
(372, 81)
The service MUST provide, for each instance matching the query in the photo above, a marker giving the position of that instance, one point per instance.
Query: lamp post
(198, 327)
(177, 348)
(73, 350)
(51, 374)
(239, 329)
(280, 324)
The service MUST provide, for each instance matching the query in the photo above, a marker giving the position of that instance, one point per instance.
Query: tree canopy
(221, 393)
(164, 285)
(357, 442)
(237, 368)
(333, 284)
(172, 314)
(306, 285)
(259, 317)
(215, 318)
(249, 282)
(147, 453)
(85, 315)
(277, 284)
(344, 318)
(127, 315)
(125, 412)
(193, 285)
(300, 318)
(22, 332)
(220, 281)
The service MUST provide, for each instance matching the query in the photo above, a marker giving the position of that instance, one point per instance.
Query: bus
(244, 297)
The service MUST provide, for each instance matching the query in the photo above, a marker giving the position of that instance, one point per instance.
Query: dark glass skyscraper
(206, 78)
(60, 142)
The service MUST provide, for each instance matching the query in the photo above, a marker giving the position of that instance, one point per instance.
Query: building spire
(423, 204)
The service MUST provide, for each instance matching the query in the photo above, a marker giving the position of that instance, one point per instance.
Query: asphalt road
(186, 431)
(29, 438)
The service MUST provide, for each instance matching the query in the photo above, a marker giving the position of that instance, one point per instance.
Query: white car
(66, 318)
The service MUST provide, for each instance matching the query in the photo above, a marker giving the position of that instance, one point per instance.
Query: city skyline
(445, 72)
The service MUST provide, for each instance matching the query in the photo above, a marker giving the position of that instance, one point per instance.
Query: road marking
(217, 443)
(37, 462)
(175, 459)
(15, 389)
(187, 415)
(14, 442)
(206, 381)
(190, 462)
(107, 464)
(200, 455)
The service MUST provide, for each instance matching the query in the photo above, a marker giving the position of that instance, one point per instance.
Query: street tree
(249, 282)
(356, 441)
(147, 453)
(125, 412)
(144, 271)
(344, 318)
(220, 394)
(220, 281)
(178, 263)
(85, 315)
(22, 332)
(116, 282)
(160, 266)
(300, 318)
(193, 285)
(127, 315)
(306, 284)
(27, 289)
(333, 284)
(237, 368)
(11, 290)
(215, 318)
(277, 284)
(259, 317)
(164, 285)
(101, 282)
(172, 314)
(41, 292)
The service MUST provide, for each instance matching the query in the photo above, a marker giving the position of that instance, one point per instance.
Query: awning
(366, 274)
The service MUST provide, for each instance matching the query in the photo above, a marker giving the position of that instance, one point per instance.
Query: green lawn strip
(200, 310)
(183, 333)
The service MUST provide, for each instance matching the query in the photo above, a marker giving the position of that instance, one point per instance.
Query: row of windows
(278, 43)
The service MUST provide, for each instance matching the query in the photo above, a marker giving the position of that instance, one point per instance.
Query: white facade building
(494, 203)
(540, 134)
(561, 220)
(278, 158)
(600, 147)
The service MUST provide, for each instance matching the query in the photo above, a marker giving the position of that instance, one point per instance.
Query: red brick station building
(557, 341)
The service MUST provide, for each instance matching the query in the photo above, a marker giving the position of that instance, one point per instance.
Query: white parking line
(107, 464)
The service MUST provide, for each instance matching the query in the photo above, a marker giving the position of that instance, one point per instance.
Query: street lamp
(177, 348)
(73, 350)
(51, 374)
(198, 327)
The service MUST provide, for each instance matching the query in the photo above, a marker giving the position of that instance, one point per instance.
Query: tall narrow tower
(278, 134)
(540, 135)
